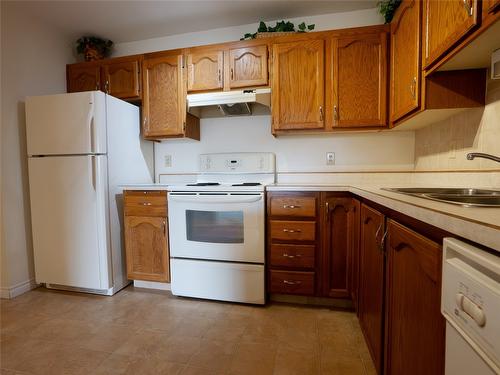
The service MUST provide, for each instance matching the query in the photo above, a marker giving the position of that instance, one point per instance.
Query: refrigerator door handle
(94, 172)
(91, 123)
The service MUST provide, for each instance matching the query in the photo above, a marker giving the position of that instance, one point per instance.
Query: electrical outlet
(167, 161)
(330, 158)
(453, 150)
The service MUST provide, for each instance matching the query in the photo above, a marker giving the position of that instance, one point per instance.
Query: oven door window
(214, 226)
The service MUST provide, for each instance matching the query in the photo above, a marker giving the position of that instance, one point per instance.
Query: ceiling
(123, 21)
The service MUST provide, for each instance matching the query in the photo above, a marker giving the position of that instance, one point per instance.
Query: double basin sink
(461, 196)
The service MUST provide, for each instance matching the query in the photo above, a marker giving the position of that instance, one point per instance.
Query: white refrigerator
(81, 147)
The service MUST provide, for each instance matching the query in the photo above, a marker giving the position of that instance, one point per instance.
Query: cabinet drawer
(291, 282)
(145, 204)
(293, 206)
(292, 255)
(293, 230)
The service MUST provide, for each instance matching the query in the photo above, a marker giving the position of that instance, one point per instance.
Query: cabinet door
(164, 97)
(83, 77)
(146, 248)
(121, 78)
(405, 59)
(205, 70)
(371, 282)
(415, 328)
(298, 85)
(248, 66)
(340, 231)
(360, 80)
(446, 22)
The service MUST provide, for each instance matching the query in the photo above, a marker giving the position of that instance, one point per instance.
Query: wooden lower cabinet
(340, 232)
(415, 328)
(146, 239)
(371, 282)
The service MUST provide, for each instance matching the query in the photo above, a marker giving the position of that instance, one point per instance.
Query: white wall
(358, 18)
(34, 56)
(367, 151)
(306, 153)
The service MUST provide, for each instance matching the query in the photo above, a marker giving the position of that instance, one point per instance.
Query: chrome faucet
(472, 155)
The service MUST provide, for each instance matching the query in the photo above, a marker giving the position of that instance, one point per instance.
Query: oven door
(217, 226)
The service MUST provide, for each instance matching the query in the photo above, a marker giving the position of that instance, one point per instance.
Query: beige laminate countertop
(477, 224)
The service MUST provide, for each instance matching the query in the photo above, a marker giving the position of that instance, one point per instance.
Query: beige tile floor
(141, 332)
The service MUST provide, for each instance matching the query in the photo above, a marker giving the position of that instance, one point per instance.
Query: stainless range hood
(230, 103)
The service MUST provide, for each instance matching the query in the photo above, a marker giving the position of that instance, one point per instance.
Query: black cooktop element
(204, 184)
(247, 184)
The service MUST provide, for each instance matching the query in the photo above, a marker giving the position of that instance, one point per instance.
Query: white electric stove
(216, 226)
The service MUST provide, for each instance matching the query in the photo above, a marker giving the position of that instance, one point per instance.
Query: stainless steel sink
(467, 200)
(462, 196)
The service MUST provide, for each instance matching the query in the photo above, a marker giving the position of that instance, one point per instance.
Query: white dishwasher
(470, 302)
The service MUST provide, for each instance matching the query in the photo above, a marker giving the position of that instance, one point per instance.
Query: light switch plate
(330, 158)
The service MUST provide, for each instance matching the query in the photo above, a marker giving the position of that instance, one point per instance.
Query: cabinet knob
(320, 113)
(285, 255)
(232, 74)
(335, 113)
(106, 87)
(219, 76)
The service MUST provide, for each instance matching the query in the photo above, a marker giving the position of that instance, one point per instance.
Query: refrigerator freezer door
(69, 220)
(66, 124)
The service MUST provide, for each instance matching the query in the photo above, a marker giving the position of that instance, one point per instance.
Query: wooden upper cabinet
(248, 66)
(360, 80)
(445, 23)
(340, 231)
(121, 78)
(163, 105)
(83, 77)
(371, 282)
(205, 70)
(413, 302)
(405, 59)
(298, 87)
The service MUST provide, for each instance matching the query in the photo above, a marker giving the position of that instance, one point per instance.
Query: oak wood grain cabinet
(146, 240)
(406, 47)
(164, 113)
(445, 24)
(248, 66)
(371, 282)
(119, 77)
(122, 77)
(83, 77)
(415, 328)
(298, 88)
(205, 70)
(340, 232)
(360, 80)
(292, 242)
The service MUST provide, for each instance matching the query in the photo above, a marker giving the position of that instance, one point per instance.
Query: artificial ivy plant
(281, 26)
(387, 8)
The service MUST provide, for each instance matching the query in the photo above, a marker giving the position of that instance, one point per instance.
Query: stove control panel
(242, 162)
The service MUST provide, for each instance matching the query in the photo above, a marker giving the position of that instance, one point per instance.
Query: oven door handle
(215, 198)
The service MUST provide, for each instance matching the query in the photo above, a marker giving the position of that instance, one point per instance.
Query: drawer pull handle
(290, 206)
(292, 230)
(285, 255)
(145, 203)
(289, 282)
